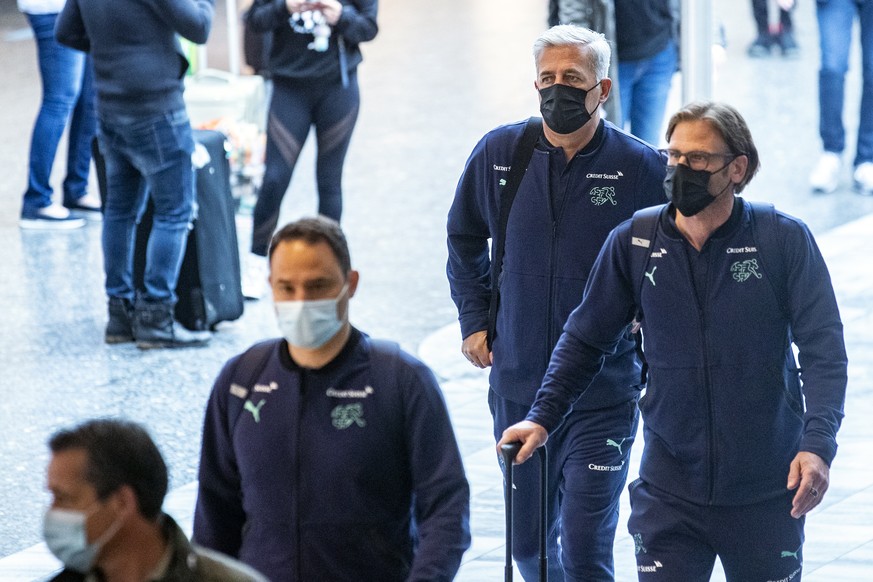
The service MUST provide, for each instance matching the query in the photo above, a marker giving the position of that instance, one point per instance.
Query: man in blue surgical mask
(108, 481)
(328, 455)
(584, 177)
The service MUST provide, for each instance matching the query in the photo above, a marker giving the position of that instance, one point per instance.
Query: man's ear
(126, 501)
(605, 88)
(353, 279)
(738, 168)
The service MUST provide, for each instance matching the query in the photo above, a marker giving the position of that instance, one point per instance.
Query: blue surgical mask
(66, 537)
(310, 324)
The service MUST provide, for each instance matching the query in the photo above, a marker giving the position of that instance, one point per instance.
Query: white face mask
(65, 535)
(310, 324)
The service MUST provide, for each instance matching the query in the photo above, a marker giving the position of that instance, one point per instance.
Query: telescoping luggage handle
(509, 451)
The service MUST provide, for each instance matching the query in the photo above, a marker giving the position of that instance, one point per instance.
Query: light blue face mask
(309, 324)
(65, 535)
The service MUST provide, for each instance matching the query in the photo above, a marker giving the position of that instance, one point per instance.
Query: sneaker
(54, 217)
(254, 280)
(761, 47)
(87, 207)
(864, 178)
(789, 46)
(825, 177)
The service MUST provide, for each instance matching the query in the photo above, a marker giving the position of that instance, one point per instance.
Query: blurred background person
(313, 60)
(67, 97)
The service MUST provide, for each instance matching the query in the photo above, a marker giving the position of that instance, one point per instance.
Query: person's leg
(760, 541)
(597, 445)
(334, 117)
(61, 70)
(83, 126)
(166, 164)
(650, 93)
(762, 18)
(125, 198)
(287, 128)
(628, 73)
(763, 42)
(526, 499)
(670, 536)
(864, 152)
(786, 39)
(835, 17)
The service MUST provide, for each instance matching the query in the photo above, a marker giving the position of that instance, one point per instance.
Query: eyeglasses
(695, 160)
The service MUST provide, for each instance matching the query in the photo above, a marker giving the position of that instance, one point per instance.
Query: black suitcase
(509, 451)
(209, 289)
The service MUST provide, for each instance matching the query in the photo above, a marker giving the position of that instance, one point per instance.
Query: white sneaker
(254, 279)
(864, 178)
(825, 177)
(54, 217)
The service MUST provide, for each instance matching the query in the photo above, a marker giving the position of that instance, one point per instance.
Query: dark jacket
(643, 28)
(188, 563)
(138, 61)
(290, 56)
(561, 215)
(348, 472)
(723, 412)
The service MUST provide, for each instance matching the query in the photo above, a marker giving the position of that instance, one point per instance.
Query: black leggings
(296, 106)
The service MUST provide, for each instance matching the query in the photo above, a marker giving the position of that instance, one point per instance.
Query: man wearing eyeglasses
(738, 438)
(585, 176)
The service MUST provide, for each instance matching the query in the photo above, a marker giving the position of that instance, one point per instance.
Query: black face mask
(563, 108)
(688, 189)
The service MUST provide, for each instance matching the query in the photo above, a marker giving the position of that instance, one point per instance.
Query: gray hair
(598, 53)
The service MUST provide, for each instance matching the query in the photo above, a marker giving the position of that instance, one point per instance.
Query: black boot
(154, 327)
(119, 328)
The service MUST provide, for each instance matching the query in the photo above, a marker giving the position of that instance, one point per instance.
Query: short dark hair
(314, 230)
(728, 122)
(119, 453)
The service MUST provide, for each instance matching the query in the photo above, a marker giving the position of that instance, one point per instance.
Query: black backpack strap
(644, 227)
(249, 366)
(520, 161)
(765, 231)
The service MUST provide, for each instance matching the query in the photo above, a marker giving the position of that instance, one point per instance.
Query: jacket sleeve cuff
(825, 448)
(473, 322)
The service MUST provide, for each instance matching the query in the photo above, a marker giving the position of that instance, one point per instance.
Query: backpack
(644, 229)
(384, 355)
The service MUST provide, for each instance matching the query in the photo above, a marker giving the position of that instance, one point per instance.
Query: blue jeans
(588, 465)
(68, 95)
(643, 87)
(835, 18)
(149, 156)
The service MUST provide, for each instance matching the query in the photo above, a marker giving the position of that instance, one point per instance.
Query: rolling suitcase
(209, 288)
(509, 451)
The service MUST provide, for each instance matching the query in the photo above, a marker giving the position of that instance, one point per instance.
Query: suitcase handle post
(509, 451)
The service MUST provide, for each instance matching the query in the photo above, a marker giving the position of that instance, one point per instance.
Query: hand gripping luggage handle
(509, 451)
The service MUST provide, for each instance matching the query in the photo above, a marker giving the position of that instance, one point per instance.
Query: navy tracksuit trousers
(677, 540)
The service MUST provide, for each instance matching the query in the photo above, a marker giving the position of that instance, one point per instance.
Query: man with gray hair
(574, 177)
